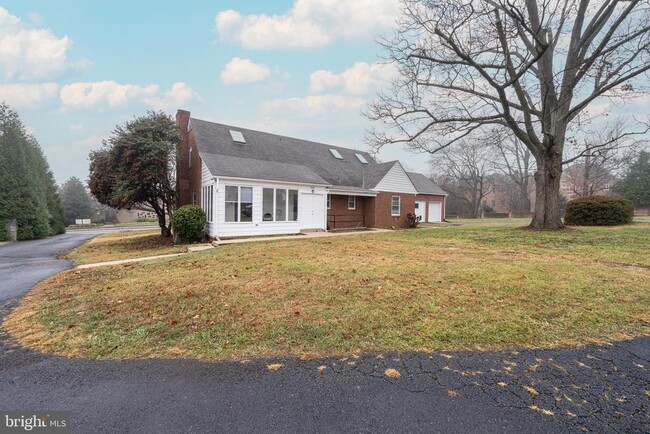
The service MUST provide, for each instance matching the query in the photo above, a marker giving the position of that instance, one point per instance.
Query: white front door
(312, 211)
(419, 210)
(435, 212)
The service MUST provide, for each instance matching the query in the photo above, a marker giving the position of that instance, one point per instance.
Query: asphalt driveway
(602, 389)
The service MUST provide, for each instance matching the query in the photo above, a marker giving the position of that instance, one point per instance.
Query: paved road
(602, 389)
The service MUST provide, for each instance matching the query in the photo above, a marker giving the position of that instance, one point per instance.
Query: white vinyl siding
(396, 181)
(258, 226)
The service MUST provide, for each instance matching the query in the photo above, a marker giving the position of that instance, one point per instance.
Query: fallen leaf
(392, 373)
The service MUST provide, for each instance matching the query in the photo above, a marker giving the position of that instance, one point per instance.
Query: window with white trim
(329, 201)
(395, 202)
(207, 201)
(352, 202)
(239, 204)
(279, 205)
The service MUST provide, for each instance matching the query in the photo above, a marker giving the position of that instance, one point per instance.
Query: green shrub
(188, 223)
(412, 220)
(598, 211)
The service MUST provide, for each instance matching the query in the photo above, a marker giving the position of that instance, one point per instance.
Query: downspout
(215, 207)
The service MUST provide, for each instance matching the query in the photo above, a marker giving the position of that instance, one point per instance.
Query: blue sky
(304, 68)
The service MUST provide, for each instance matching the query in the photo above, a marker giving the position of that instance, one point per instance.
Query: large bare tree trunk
(547, 191)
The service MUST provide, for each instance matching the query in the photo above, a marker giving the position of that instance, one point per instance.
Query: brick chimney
(183, 194)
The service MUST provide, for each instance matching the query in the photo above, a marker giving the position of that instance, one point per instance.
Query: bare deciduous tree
(466, 168)
(514, 159)
(530, 66)
(596, 155)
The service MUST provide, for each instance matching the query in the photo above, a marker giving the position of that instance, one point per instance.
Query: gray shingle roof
(279, 158)
(424, 185)
(257, 169)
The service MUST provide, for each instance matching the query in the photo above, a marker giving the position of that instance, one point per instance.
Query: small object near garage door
(419, 210)
(435, 212)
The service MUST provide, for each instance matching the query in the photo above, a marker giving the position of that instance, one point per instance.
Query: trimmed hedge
(188, 223)
(598, 211)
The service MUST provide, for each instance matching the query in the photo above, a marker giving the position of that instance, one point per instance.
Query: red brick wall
(431, 198)
(382, 209)
(188, 180)
(340, 217)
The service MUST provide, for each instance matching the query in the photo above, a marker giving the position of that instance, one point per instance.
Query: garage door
(435, 212)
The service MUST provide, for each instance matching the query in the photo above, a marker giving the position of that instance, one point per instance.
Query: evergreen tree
(75, 200)
(136, 166)
(636, 183)
(26, 182)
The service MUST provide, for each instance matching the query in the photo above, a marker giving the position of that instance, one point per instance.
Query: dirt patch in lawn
(453, 288)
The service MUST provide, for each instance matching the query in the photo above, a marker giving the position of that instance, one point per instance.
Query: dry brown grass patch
(402, 291)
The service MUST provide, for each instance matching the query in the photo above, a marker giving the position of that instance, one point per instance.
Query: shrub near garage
(598, 211)
(188, 223)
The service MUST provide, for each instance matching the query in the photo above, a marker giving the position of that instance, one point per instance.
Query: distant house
(254, 183)
(136, 214)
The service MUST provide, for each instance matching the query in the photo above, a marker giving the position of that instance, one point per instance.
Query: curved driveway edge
(602, 389)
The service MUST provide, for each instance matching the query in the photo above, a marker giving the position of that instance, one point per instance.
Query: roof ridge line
(283, 137)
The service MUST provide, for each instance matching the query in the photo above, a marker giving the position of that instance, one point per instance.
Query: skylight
(237, 136)
(336, 154)
(361, 158)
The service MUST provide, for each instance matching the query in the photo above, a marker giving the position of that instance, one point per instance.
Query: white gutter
(352, 192)
(269, 181)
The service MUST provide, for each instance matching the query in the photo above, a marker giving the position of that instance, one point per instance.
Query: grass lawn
(124, 245)
(124, 225)
(491, 221)
(449, 288)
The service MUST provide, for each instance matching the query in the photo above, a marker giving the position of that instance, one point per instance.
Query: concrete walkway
(128, 261)
(301, 236)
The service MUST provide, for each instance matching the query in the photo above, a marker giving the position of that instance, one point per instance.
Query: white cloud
(76, 127)
(315, 105)
(359, 79)
(30, 53)
(309, 23)
(94, 141)
(110, 94)
(179, 95)
(103, 93)
(241, 71)
(27, 95)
